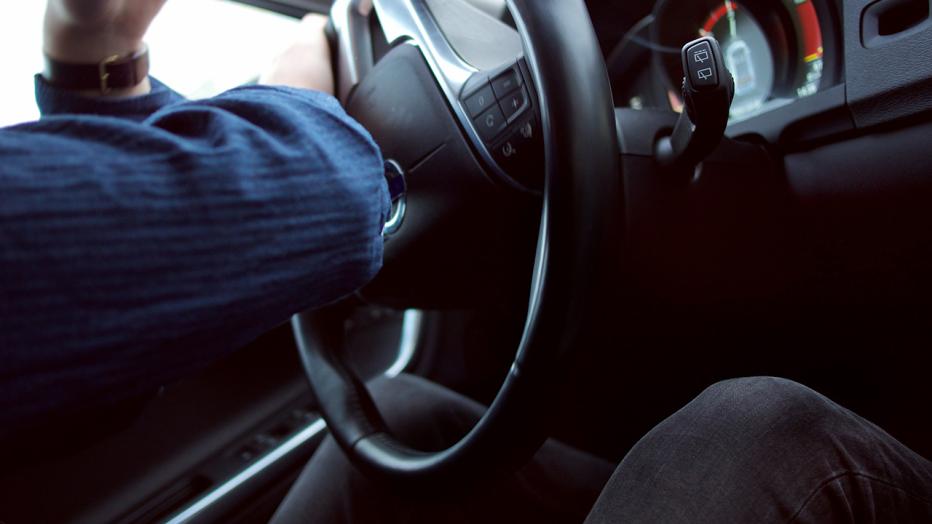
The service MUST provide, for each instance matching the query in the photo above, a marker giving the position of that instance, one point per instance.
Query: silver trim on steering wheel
(411, 22)
(354, 57)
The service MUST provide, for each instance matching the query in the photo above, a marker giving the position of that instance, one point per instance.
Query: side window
(198, 47)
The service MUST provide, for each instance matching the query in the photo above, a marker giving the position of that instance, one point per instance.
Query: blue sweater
(141, 238)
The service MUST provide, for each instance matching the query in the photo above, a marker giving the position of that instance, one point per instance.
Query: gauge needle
(732, 22)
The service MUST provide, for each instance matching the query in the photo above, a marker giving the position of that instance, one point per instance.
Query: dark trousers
(745, 450)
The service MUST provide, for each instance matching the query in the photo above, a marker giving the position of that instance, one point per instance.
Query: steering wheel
(447, 55)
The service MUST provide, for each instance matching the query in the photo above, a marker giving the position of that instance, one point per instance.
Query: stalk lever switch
(708, 90)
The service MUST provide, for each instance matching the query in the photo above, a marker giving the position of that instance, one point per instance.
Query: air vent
(888, 20)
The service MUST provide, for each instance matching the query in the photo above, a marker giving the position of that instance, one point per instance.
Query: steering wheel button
(520, 153)
(514, 103)
(480, 101)
(490, 124)
(506, 82)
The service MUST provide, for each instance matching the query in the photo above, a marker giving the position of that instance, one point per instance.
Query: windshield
(198, 47)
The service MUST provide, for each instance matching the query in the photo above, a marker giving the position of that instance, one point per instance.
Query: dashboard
(778, 51)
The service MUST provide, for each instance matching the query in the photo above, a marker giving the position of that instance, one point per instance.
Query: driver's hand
(306, 63)
(88, 31)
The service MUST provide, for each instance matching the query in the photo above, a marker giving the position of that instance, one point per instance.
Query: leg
(560, 484)
(767, 450)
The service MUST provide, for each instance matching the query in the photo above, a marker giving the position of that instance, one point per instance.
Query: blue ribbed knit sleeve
(138, 246)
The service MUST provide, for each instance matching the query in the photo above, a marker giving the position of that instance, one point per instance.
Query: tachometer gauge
(773, 48)
(810, 35)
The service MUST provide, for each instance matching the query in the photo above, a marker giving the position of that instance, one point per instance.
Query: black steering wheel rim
(581, 204)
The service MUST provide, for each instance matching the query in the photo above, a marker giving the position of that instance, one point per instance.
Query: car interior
(582, 240)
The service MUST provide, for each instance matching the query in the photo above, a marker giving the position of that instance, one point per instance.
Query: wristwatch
(113, 72)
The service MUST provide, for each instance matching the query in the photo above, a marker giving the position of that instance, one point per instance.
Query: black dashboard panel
(887, 45)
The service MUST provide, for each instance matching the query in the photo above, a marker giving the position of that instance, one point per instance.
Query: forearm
(186, 236)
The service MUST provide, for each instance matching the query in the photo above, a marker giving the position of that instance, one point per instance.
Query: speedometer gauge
(773, 48)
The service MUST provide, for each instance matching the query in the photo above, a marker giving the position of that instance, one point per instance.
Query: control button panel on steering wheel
(500, 106)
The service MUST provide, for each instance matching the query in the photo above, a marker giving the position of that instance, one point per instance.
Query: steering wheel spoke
(485, 81)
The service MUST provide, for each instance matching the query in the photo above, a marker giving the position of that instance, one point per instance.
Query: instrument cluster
(777, 50)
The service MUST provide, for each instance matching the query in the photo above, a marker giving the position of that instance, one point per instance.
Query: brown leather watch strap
(115, 72)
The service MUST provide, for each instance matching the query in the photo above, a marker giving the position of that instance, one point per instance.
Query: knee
(762, 394)
(404, 401)
(422, 414)
(762, 406)
(411, 398)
